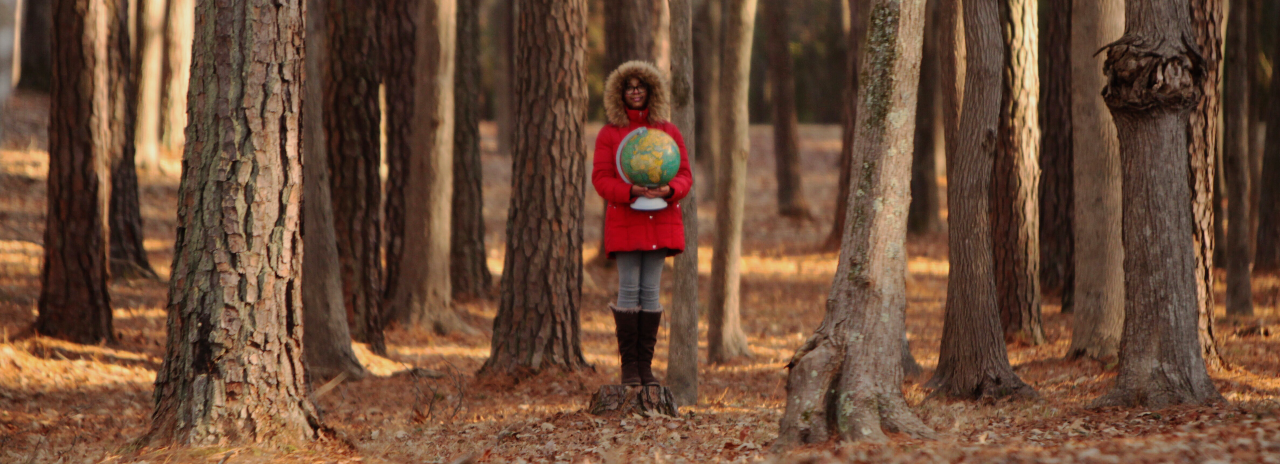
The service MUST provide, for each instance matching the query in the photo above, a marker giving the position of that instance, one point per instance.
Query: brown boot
(648, 338)
(628, 323)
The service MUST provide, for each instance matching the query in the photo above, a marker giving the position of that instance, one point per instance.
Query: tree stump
(622, 400)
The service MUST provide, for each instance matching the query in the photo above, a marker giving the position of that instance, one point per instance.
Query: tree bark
(725, 338)
(537, 325)
(179, 31)
(707, 45)
(352, 123)
(1235, 162)
(148, 66)
(1015, 207)
(128, 256)
(973, 362)
(424, 295)
(682, 351)
(233, 372)
(503, 87)
(10, 17)
(623, 401)
(35, 68)
(786, 146)
(1202, 134)
(1268, 256)
(326, 338)
(925, 213)
(74, 303)
(1057, 197)
(1154, 81)
(469, 268)
(398, 53)
(857, 34)
(953, 54)
(1100, 292)
(842, 381)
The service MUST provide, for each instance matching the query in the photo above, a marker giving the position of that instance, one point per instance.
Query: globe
(648, 157)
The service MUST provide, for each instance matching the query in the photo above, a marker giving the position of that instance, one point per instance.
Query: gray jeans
(639, 277)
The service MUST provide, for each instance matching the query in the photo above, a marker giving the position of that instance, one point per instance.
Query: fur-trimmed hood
(615, 109)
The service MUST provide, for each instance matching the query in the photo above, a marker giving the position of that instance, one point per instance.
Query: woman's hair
(615, 87)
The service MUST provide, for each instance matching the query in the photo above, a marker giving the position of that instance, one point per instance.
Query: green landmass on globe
(648, 157)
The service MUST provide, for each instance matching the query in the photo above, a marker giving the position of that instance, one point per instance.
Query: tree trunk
(707, 45)
(842, 381)
(1155, 78)
(952, 52)
(1202, 133)
(786, 146)
(1235, 162)
(925, 213)
(35, 68)
(74, 303)
(1268, 256)
(352, 125)
(1219, 206)
(128, 256)
(1057, 197)
(148, 64)
(973, 362)
(424, 295)
(326, 338)
(179, 31)
(1015, 208)
(1258, 93)
(398, 52)
(858, 10)
(537, 324)
(503, 87)
(233, 372)
(467, 253)
(1099, 293)
(9, 54)
(725, 339)
(682, 351)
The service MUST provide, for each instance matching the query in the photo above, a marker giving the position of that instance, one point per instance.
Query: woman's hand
(639, 191)
(658, 192)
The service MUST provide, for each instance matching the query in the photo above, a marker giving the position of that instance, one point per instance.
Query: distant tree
(786, 145)
(537, 325)
(468, 264)
(178, 37)
(1099, 293)
(74, 303)
(842, 383)
(233, 372)
(925, 213)
(1057, 194)
(1202, 143)
(503, 87)
(35, 67)
(952, 65)
(398, 50)
(326, 338)
(148, 67)
(352, 121)
(725, 339)
(857, 34)
(128, 256)
(707, 39)
(1154, 81)
(1235, 162)
(682, 353)
(973, 362)
(1268, 256)
(8, 24)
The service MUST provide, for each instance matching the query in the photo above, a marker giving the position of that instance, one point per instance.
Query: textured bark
(1235, 162)
(351, 124)
(623, 401)
(1204, 150)
(35, 68)
(148, 70)
(857, 34)
(537, 325)
(74, 303)
(786, 146)
(179, 30)
(398, 52)
(233, 372)
(973, 362)
(1015, 206)
(1057, 195)
(1268, 256)
(707, 40)
(725, 338)
(469, 269)
(128, 256)
(925, 213)
(423, 297)
(1099, 293)
(682, 351)
(953, 53)
(846, 380)
(326, 339)
(1154, 81)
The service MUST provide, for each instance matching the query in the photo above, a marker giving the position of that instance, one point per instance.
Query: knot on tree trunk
(1142, 76)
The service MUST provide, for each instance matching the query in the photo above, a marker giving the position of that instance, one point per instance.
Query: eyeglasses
(640, 89)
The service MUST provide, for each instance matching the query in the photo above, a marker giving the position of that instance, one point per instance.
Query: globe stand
(648, 204)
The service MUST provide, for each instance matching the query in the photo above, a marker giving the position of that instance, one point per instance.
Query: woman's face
(636, 94)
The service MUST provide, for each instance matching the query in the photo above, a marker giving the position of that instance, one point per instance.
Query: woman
(635, 96)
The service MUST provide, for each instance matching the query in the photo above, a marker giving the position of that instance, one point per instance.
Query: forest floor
(68, 403)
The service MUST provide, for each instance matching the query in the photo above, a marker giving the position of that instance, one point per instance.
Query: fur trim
(616, 309)
(615, 109)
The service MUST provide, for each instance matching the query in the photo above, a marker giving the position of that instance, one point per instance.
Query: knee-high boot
(649, 323)
(627, 321)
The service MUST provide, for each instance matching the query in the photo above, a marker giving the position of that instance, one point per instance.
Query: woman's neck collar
(640, 116)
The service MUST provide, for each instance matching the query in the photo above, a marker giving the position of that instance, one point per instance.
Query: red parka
(626, 229)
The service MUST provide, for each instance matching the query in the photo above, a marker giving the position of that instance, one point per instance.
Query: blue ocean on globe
(648, 157)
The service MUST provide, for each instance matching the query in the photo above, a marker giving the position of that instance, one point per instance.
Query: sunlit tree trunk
(1204, 150)
(1235, 162)
(786, 144)
(179, 27)
(682, 353)
(233, 372)
(1057, 194)
(469, 270)
(148, 66)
